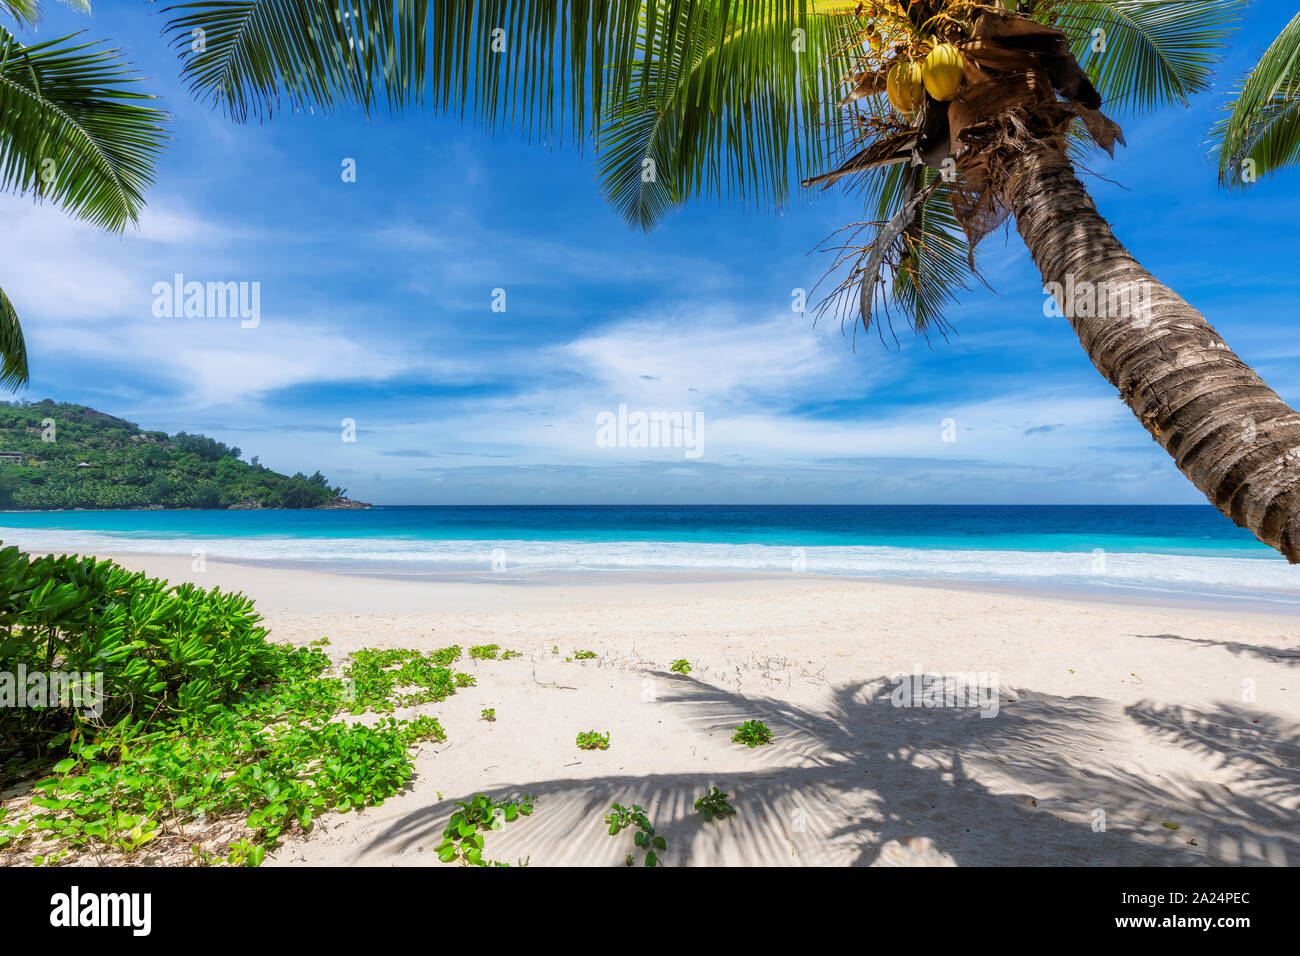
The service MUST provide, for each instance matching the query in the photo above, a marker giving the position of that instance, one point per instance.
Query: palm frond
(1148, 53)
(1270, 141)
(29, 11)
(723, 97)
(932, 262)
(13, 349)
(74, 131)
(1263, 122)
(720, 105)
(933, 266)
(257, 56)
(24, 11)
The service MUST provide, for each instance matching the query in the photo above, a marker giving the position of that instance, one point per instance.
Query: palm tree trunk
(1227, 431)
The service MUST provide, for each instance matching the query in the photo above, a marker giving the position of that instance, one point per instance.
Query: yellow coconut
(903, 84)
(942, 71)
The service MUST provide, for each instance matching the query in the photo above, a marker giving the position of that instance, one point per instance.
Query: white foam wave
(1197, 572)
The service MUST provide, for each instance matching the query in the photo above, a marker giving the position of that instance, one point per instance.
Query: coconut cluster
(915, 62)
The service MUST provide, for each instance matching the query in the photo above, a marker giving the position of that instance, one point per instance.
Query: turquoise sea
(1177, 549)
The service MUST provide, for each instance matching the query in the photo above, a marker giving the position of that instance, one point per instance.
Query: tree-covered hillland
(55, 455)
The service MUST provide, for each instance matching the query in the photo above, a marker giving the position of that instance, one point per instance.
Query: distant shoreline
(520, 583)
(344, 504)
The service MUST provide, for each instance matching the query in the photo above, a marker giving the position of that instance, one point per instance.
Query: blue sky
(376, 306)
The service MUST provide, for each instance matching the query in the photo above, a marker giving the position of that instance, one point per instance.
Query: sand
(1122, 735)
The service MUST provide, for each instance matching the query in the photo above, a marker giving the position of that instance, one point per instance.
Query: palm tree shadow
(864, 782)
(1261, 750)
(1276, 655)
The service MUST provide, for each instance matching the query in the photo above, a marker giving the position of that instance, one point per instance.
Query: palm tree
(73, 131)
(683, 98)
(1261, 133)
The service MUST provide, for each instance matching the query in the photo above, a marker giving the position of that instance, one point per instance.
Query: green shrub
(373, 678)
(714, 806)
(162, 651)
(752, 733)
(463, 838)
(200, 716)
(621, 817)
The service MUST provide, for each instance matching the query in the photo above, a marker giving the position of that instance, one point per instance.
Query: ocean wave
(1217, 574)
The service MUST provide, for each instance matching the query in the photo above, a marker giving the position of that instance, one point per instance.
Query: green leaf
(1154, 54)
(1263, 121)
(713, 91)
(720, 105)
(260, 55)
(13, 348)
(74, 130)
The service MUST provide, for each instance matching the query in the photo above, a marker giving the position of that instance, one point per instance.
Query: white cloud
(711, 357)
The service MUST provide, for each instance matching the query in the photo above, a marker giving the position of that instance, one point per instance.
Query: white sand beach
(1123, 735)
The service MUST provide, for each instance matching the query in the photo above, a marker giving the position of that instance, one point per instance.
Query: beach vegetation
(381, 679)
(197, 734)
(463, 838)
(488, 713)
(492, 652)
(620, 818)
(680, 666)
(714, 806)
(593, 740)
(752, 733)
(584, 655)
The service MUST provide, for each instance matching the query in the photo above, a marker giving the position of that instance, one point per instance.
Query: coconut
(942, 72)
(903, 84)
